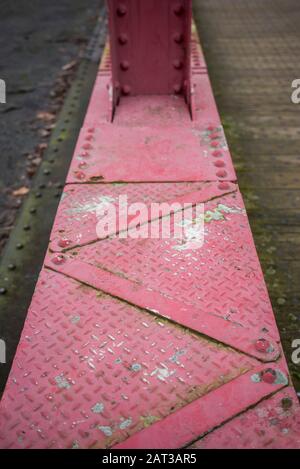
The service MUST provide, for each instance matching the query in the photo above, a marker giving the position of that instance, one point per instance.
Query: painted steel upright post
(150, 47)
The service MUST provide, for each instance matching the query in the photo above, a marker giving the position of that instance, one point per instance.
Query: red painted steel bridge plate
(150, 343)
(217, 289)
(151, 154)
(273, 424)
(76, 220)
(92, 371)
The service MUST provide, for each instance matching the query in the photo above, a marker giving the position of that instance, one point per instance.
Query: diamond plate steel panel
(124, 344)
(76, 219)
(223, 278)
(91, 370)
(273, 424)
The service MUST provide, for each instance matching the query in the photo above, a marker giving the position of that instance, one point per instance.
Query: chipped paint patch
(162, 373)
(98, 408)
(95, 204)
(108, 431)
(175, 357)
(136, 367)
(62, 382)
(125, 424)
(75, 319)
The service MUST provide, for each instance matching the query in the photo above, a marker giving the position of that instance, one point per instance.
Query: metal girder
(146, 342)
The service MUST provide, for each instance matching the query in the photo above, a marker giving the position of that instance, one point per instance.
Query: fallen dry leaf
(45, 116)
(69, 65)
(21, 191)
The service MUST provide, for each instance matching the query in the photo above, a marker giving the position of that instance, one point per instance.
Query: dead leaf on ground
(21, 191)
(69, 65)
(45, 116)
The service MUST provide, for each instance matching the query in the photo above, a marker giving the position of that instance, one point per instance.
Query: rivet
(47, 172)
(19, 246)
(219, 164)
(121, 10)
(215, 144)
(210, 128)
(217, 153)
(124, 65)
(178, 64)
(64, 242)
(126, 89)
(91, 130)
(222, 173)
(177, 88)
(88, 138)
(58, 259)
(214, 136)
(87, 146)
(42, 186)
(178, 9)
(38, 195)
(26, 227)
(84, 154)
(269, 375)
(11, 266)
(224, 186)
(82, 165)
(123, 39)
(178, 38)
(262, 345)
(3, 291)
(32, 210)
(79, 175)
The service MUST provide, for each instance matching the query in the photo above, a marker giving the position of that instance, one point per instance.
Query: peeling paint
(62, 382)
(125, 424)
(106, 430)
(98, 408)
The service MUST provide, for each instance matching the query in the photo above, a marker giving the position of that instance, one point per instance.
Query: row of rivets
(178, 37)
(220, 165)
(85, 153)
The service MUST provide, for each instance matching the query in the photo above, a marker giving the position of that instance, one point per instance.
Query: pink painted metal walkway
(150, 343)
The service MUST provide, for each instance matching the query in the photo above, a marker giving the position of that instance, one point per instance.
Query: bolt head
(178, 38)
(178, 64)
(80, 175)
(126, 90)
(58, 259)
(124, 65)
(178, 9)
(221, 173)
(262, 345)
(224, 186)
(123, 39)
(269, 376)
(121, 10)
(64, 242)
(177, 88)
(217, 153)
(219, 164)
